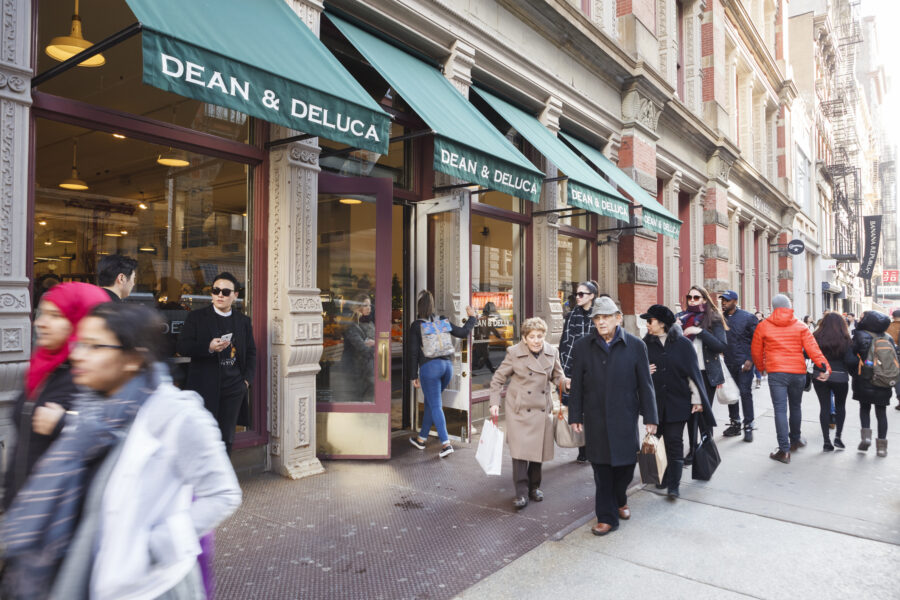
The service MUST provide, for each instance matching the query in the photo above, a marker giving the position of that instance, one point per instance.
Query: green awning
(466, 145)
(260, 59)
(654, 216)
(585, 189)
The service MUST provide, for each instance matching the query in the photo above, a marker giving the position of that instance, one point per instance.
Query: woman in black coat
(219, 341)
(833, 338)
(703, 324)
(676, 374)
(872, 325)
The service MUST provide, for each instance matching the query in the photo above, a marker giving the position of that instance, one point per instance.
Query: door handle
(384, 356)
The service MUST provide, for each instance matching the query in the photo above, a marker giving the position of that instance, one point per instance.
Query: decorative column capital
(552, 112)
(718, 166)
(641, 105)
(458, 67)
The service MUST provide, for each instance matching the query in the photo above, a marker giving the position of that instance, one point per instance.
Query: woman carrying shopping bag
(680, 391)
(530, 366)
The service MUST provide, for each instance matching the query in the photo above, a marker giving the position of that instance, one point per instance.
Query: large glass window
(497, 294)
(573, 260)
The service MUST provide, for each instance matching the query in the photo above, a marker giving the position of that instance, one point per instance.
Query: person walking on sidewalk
(679, 387)
(759, 318)
(833, 339)
(778, 349)
(893, 330)
(741, 326)
(429, 357)
(704, 325)
(576, 325)
(610, 387)
(530, 367)
(868, 387)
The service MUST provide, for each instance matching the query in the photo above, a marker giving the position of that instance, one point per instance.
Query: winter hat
(781, 301)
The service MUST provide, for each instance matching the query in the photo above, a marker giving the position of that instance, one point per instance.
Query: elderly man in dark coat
(611, 386)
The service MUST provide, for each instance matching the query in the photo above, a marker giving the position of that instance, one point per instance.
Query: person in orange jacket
(778, 348)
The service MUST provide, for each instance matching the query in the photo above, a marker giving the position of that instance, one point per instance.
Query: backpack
(436, 340)
(881, 362)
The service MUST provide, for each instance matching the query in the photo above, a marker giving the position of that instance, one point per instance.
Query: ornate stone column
(667, 34)
(716, 241)
(752, 280)
(294, 307)
(765, 297)
(672, 248)
(15, 298)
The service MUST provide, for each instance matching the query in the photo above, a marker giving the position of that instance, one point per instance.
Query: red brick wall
(643, 10)
(713, 268)
(638, 154)
(635, 299)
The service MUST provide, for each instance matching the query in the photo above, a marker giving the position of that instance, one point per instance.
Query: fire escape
(843, 167)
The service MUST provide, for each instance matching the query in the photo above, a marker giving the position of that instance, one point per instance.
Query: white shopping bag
(490, 449)
(728, 392)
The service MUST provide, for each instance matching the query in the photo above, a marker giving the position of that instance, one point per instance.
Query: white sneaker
(445, 451)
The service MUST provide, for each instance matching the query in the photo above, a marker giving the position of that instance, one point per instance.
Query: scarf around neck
(692, 316)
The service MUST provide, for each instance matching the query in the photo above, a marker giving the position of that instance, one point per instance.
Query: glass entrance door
(354, 274)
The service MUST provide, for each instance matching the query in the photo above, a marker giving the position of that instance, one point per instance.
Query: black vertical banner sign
(871, 240)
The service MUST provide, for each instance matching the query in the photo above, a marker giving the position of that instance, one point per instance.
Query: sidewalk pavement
(825, 526)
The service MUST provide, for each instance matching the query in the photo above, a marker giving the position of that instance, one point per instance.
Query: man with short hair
(610, 387)
(116, 274)
(741, 326)
(893, 330)
(778, 348)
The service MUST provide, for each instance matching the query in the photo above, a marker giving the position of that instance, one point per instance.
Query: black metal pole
(113, 40)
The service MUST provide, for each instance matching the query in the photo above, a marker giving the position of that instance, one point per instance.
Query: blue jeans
(434, 377)
(786, 390)
(744, 381)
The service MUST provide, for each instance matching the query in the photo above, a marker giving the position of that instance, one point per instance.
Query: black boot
(674, 478)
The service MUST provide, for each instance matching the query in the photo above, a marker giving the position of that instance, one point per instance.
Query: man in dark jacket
(611, 386)
(741, 325)
(219, 341)
(116, 275)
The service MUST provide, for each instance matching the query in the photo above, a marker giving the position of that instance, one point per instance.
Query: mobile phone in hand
(226, 337)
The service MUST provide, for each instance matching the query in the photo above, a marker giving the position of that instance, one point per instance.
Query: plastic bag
(490, 449)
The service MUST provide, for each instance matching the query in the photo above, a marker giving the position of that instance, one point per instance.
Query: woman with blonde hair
(530, 366)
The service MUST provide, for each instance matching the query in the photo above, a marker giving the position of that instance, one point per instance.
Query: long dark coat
(872, 323)
(203, 372)
(676, 363)
(626, 390)
(529, 409)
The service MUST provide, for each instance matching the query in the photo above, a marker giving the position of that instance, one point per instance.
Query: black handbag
(706, 458)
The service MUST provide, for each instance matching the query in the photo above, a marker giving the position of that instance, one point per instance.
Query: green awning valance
(585, 189)
(466, 145)
(261, 59)
(654, 216)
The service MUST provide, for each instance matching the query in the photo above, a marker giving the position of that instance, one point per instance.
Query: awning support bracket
(288, 140)
(458, 186)
(619, 228)
(104, 44)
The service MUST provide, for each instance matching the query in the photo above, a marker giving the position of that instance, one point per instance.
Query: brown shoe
(603, 528)
(798, 444)
(624, 512)
(781, 456)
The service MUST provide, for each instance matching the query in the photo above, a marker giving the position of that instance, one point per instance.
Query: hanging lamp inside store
(74, 182)
(64, 47)
(173, 158)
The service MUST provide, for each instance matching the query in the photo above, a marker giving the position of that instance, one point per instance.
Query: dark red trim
(529, 260)
(486, 210)
(595, 248)
(577, 232)
(89, 116)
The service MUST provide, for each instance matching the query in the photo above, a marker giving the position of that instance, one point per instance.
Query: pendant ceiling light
(173, 158)
(64, 47)
(74, 182)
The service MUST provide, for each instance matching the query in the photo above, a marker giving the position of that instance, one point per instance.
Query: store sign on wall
(193, 72)
(763, 207)
(890, 276)
(477, 167)
(588, 199)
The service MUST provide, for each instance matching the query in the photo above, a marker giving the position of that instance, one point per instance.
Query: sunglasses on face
(692, 297)
(224, 291)
(583, 294)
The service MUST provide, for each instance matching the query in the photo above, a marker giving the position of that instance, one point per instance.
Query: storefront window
(182, 224)
(395, 165)
(500, 200)
(573, 260)
(496, 294)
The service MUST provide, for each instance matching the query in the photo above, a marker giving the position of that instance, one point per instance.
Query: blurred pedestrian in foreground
(576, 325)
(778, 349)
(116, 274)
(219, 340)
(741, 326)
(868, 388)
(893, 330)
(673, 364)
(39, 410)
(530, 367)
(833, 339)
(611, 386)
(108, 512)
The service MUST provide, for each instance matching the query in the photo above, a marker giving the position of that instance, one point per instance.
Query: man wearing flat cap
(611, 386)
(741, 326)
(680, 391)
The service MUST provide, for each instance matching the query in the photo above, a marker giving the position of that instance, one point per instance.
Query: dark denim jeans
(786, 390)
(744, 381)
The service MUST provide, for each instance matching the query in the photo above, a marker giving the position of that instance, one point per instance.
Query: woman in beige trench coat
(530, 366)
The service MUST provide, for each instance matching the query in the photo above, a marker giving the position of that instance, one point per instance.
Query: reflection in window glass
(182, 224)
(346, 278)
(496, 294)
(396, 164)
(573, 267)
(500, 200)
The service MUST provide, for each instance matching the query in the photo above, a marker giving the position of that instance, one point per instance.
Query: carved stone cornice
(642, 103)
(718, 166)
(553, 110)
(458, 67)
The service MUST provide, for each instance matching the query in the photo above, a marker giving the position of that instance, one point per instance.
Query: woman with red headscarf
(49, 389)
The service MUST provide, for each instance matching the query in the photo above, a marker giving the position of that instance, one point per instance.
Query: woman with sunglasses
(115, 507)
(576, 325)
(703, 324)
(219, 341)
(39, 410)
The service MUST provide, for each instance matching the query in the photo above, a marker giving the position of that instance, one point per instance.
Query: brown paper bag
(652, 460)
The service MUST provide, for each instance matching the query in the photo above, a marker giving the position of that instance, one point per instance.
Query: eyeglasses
(692, 297)
(224, 291)
(582, 294)
(89, 346)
